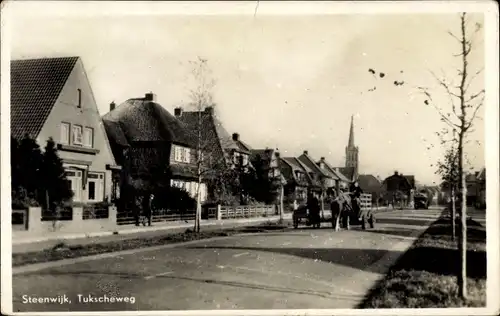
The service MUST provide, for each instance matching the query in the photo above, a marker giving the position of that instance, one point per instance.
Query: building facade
(52, 98)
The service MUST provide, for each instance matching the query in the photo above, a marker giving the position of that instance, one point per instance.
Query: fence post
(34, 218)
(218, 213)
(112, 215)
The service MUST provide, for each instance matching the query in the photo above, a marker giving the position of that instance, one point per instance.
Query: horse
(342, 209)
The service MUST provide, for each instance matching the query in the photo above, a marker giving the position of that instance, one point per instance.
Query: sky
(287, 82)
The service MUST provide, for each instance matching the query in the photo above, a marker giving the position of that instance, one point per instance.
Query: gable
(35, 86)
(210, 140)
(66, 110)
(307, 161)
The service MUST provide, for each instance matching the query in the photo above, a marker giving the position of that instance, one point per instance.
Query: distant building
(481, 189)
(297, 181)
(398, 186)
(323, 177)
(351, 169)
(370, 184)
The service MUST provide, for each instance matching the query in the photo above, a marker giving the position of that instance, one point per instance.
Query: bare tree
(465, 105)
(214, 164)
(201, 95)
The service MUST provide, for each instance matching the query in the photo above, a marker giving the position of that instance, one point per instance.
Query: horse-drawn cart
(343, 213)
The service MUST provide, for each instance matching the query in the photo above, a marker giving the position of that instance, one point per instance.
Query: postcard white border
(93, 8)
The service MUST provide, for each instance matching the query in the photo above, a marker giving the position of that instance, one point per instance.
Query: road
(292, 269)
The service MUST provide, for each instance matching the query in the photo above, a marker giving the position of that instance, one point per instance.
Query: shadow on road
(405, 221)
(401, 232)
(361, 259)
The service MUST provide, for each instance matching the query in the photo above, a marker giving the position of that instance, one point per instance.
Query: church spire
(351, 151)
(350, 144)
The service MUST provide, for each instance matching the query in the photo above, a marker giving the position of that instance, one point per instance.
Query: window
(95, 187)
(203, 192)
(79, 97)
(64, 133)
(187, 155)
(178, 154)
(88, 137)
(77, 134)
(74, 179)
(236, 158)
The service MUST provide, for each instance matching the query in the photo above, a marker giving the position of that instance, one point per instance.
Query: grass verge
(62, 251)
(425, 276)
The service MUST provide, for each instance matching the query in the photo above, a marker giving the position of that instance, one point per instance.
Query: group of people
(314, 207)
(147, 211)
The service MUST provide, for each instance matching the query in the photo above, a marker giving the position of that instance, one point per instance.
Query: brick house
(223, 150)
(52, 97)
(397, 184)
(297, 182)
(147, 140)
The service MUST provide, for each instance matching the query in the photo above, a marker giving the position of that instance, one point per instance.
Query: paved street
(295, 269)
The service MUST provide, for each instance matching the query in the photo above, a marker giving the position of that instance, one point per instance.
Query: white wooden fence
(227, 212)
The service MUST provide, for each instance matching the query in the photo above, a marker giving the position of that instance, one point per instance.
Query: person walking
(314, 210)
(147, 209)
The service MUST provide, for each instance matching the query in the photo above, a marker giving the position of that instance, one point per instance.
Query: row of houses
(52, 98)
(138, 139)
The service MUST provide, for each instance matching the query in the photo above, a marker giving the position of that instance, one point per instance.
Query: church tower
(351, 151)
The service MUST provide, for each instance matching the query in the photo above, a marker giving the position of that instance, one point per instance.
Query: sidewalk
(132, 232)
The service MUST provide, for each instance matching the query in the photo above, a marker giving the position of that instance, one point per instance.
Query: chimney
(236, 137)
(306, 152)
(396, 173)
(112, 106)
(178, 112)
(150, 96)
(209, 110)
(322, 162)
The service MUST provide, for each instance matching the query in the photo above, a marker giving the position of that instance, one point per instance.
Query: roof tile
(35, 87)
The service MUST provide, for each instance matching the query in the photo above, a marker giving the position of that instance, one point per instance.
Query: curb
(129, 231)
(64, 262)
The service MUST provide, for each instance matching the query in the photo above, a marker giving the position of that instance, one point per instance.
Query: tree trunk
(47, 204)
(281, 202)
(462, 243)
(453, 214)
(322, 198)
(197, 222)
